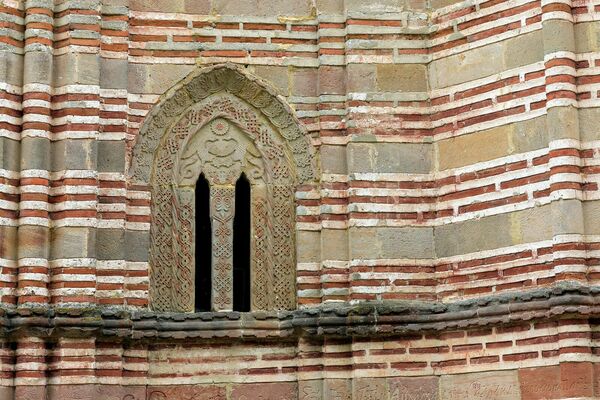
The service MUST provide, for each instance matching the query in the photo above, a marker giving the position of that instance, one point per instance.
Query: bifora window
(222, 156)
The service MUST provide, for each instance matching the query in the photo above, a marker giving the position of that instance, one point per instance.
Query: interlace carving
(222, 124)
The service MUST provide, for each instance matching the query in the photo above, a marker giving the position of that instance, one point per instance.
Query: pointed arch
(220, 121)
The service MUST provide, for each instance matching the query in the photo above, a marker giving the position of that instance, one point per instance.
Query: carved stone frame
(229, 93)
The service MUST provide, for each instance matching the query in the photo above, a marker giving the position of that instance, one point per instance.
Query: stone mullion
(261, 263)
(564, 141)
(222, 211)
(33, 232)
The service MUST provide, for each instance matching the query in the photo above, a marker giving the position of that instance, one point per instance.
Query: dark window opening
(203, 256)
(241, 246)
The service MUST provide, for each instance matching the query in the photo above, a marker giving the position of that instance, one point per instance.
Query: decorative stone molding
(221, 122)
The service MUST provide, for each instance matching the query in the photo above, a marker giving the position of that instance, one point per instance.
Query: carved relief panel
(221, 122)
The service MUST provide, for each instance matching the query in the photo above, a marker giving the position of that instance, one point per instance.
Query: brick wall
(460, 155)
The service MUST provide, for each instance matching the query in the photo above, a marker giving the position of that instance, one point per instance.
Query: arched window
(222, 157)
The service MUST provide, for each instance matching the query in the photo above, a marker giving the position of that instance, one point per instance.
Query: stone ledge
(337, 320)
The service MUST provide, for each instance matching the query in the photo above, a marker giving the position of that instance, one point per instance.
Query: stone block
(36, 242)
(540, 383)
(402, 77)
(137, 244)
(589, 121)
(262, 8)
(8, 239)
(330, 6)
(388, 242)
(73, 242)
(38, 67)
(310, 390)
(308, 246)
(332, 80)
(74, 154)
(531, 225)
(361, 78)
(370, 389)
(471, 236)
(475, 147)
(10, 154)
(558, 36)
(420, 388)
(35, 153)
(202, 7)
(276, 75)
(467, 66)
(333, 159)
(586, 36)
(337, 389)
(30, 392)
(11, 68)
(495, 385)
(72, 392)
(110, 244)
(523, 50)
(567, 217)
(113, 73)
(529, 135)
(7, 393)
(576, 380)
(379, 6)
(155, 78)
(442, 3)
(334, 244)
(389, 158)
(304, 82)
(591, 216)
(562, 123)
(167, 6)
(80, 68)
(265, 391)
(196, 392)
(111, 156)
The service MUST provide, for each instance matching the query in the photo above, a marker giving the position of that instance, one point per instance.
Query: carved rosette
(221, 124)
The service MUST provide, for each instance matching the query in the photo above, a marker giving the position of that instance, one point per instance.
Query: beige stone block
(361, 77)
(422, 387)
(202, 7)
(591, 216)
(11, 68)
(529, 135)
(531, 225)
(78, 68)
(113, 73)
(390, 157)
(442, 3)
(370, 389)
(402, 77)
(308, 246)
(467, 66)
(72, 242)
(334, 244)
(474, 147)
(278, 76)
(470, 236)
(330, 6)
(523, 50)
(391, 242)
(167, 6)
(156, 78)
(261, 8)
(495, 385)
(304, 81)
(310, 390)
(558, 36)
(338, 389)
(8, 241)
(567, 217)
(333, 159)
(586, 36)
(379, 6)
(562, 123)
(589, 124)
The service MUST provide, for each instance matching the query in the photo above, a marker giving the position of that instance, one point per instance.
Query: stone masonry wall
(460, 159)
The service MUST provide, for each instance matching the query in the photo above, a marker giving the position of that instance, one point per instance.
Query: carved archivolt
(222, 122)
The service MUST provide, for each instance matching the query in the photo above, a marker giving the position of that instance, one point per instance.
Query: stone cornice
(370, 319)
